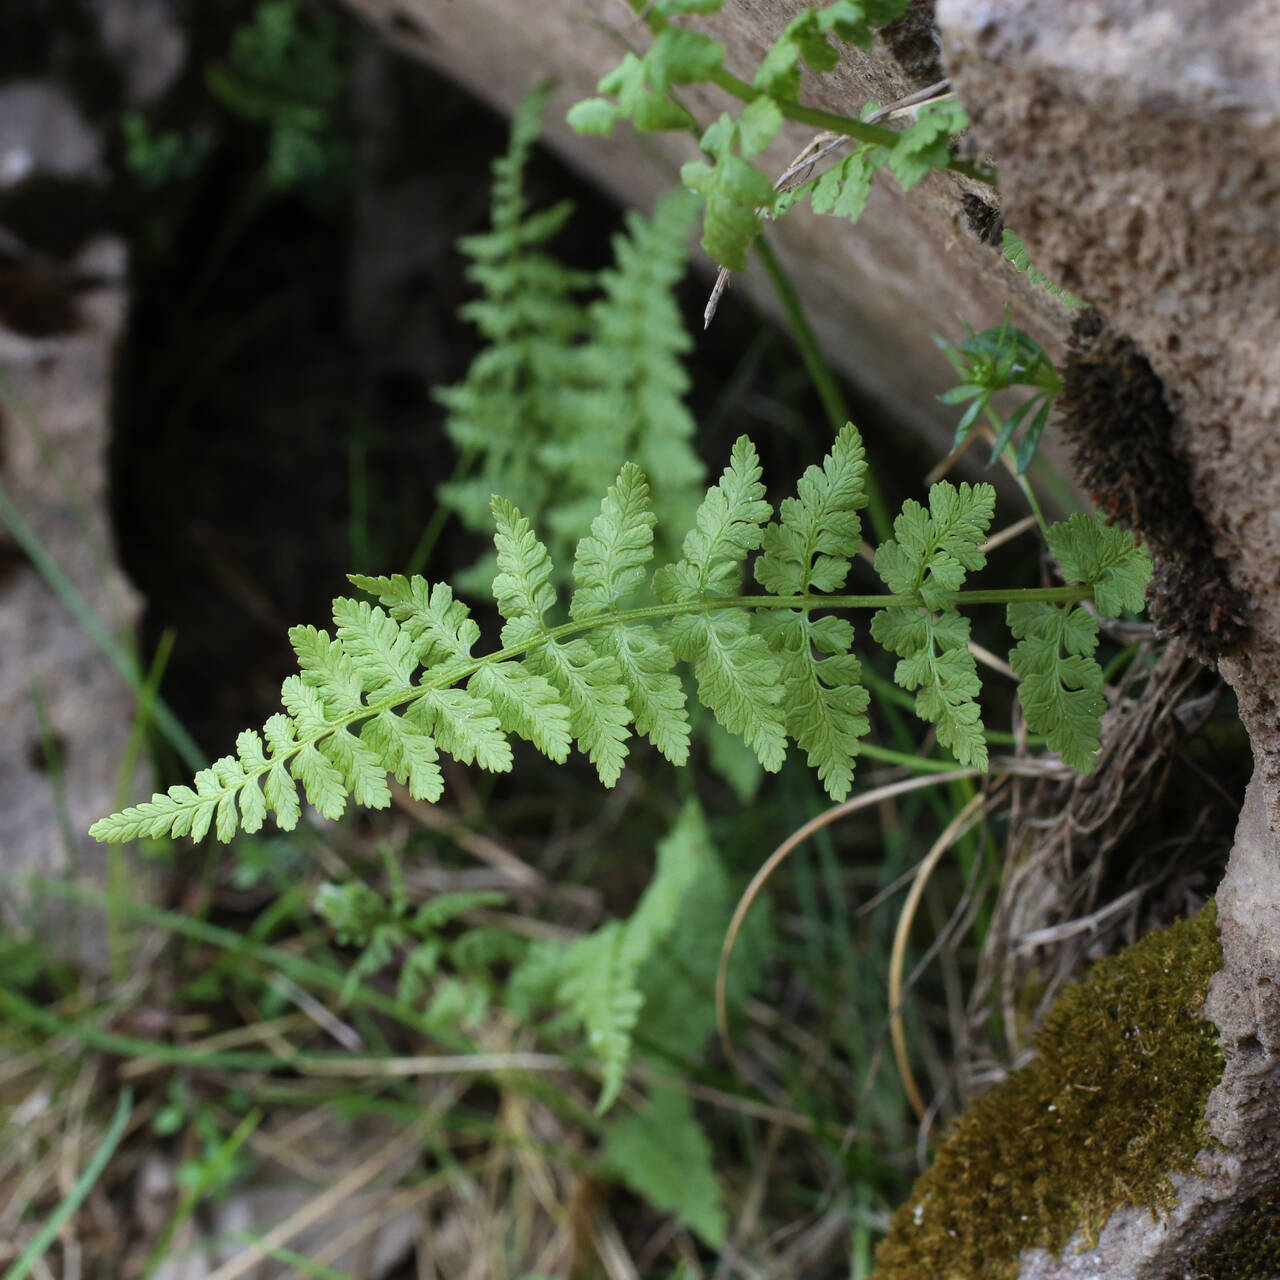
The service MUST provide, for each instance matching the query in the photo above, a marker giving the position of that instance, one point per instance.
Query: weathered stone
(1138, 154)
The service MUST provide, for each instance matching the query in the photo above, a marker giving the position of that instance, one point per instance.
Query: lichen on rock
(1112, 1105)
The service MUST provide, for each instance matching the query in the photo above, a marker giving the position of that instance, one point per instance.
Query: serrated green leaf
(381, 651)
(681, 56)
(526, 704)
(463, 725)
(522, 588)
(844, 189)
(738, 679)
(1061, 681)
(593, 116)
(326, 667)
(926, 144)
(736, 193)
(726, 529)
(758, 125)
(656, 694)
(590, 685)
(321, 780)
(662, 1154)
(610, 562)
(819, 531)
(406, 752)
(599, 990)
(1105, 557)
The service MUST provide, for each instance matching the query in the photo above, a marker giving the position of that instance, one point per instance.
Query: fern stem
(455, 674)
(830, 122)
(824, 381)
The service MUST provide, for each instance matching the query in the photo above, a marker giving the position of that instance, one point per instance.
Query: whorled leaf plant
(399, 682)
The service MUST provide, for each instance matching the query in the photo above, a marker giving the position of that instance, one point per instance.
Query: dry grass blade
(865, 801)
(968, 817)
(326, 1202)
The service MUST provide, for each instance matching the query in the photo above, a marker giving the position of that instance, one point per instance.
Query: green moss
(1113, 1103)
(1248, 1248)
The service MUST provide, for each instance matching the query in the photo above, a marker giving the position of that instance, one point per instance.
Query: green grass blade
(43, 1238)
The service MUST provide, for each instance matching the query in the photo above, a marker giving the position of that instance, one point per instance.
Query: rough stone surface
(1140, 158)
(875, 292)
(66, 712)
(1138, 154)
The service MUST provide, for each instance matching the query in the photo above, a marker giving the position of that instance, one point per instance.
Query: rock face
(1138, 155)
(66, 712)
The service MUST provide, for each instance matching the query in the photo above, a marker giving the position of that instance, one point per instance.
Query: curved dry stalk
(780, 854)
(968, 817)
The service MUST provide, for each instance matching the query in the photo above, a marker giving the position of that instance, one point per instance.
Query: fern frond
(738, 677)
(399, 682)
(599, 990)
(1061, 684)
(632, 378)
(809, 550)
(534, 403)
(662, 1154)
(1104, 556)
(930, 555)
(609, 566)
(589, 683)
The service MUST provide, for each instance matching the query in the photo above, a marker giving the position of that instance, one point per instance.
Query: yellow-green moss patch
(1113, 1103)
(1248, 1247)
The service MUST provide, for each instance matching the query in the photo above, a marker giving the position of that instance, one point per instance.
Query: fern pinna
(399, 682)
(554, 368)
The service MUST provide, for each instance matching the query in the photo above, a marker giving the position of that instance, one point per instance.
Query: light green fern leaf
(819, 530)
(589, 683)
(738, 676)
(439, 627)
(1061, 681)
(526, 704)
(726, 529)
(522, 589)
(662, 1154)
(1105, 557)
(809, 550)
(930, 554)
(609, 566)
(599, 990)
(926, 144)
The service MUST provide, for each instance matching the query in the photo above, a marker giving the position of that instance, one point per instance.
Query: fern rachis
(398, 682)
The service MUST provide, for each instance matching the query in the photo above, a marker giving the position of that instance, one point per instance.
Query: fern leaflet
(930, 555)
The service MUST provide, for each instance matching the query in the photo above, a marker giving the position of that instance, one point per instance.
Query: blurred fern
(285, 71)
(554, 368)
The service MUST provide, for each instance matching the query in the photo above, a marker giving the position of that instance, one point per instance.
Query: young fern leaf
(662, 1153)
(1061, 682)
(810, 551)
(589, 683)
(609, 566)
(596, 980)
(931, 554)
(737, 674)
